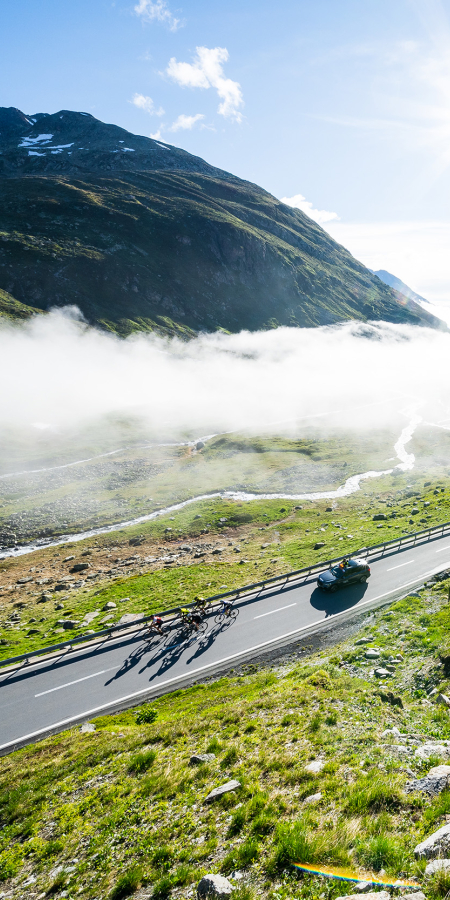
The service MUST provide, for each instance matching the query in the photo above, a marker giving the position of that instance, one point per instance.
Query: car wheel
(363, 579)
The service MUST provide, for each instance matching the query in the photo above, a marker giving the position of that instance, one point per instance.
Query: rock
(24, 580)
(68, 558)
(443, 700)
(363, 887)
(382, 673)
(215, 886)
(389, 697)
(87, 728)
(380, 517)
(319, 545)
(417, 895)
(433, 785)
(199, 445)
(434, 845)
(223, 789)
(198, 758)
(109, 605)
(372, 654)
(33, 631)
(433, 748)
(313, 798)
(128, 618)
(370, 895)
(67, 624)
(438, 865)
(328, 508)
(80, 567)
(366, 640)
(44, 598)
(315, 766)
(395, 732)
(439, 770)
(218, 549)
(124, 599)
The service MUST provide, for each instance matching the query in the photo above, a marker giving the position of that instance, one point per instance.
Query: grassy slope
(99, 814)
(12, 309)
(179, 253)
(273, 537)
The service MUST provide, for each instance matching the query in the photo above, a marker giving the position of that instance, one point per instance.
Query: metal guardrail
(246, 590)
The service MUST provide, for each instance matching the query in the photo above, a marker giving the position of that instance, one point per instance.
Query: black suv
(349, 571)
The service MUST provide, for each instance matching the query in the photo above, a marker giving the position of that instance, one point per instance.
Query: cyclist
(200, 603)
(155, 624)
(226, 607)
(194, 619)
(184, 612)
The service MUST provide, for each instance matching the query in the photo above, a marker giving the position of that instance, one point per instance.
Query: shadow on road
(331, 604)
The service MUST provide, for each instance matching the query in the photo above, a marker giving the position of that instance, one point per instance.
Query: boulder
(443, 700)
(109, 605)
(439, 770)
(315, 766)
(380, 517)
(214, 886)
(87, 728)
(363, 887)
(433, 785)
(67, 624)
(372, 654)
(434, 845)
(80, 567)
(371, 895)
(313, 798)
(382, 673)
(366, 640)
(437, 865)
(434, 748)
(417, 895)
(198, 758)
(223, 789)
(319, 545)
(129, 618)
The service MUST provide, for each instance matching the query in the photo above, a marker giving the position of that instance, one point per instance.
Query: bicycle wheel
(218, 618)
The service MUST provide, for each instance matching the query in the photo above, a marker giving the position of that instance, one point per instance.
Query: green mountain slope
(141, 235)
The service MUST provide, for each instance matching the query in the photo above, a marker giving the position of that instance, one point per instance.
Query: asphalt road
(77, 685)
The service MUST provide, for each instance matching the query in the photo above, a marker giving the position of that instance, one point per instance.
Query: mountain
(142, 235)
(400, 286)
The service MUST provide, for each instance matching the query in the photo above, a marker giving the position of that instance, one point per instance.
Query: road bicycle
(226, 614)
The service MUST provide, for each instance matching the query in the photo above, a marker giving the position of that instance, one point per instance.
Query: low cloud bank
(57, 372)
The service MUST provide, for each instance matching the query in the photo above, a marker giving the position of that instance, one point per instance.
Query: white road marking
(70, 683)
(272, 611)
(442, 548)
(401, 565)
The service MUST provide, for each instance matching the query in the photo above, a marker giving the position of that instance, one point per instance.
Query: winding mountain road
(71, 687)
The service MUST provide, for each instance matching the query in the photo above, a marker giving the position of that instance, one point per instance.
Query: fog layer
(57, 372)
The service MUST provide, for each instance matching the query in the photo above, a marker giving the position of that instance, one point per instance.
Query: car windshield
(337, 571)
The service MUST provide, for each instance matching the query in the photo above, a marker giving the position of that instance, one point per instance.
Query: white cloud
(318, 215)
(185, 122)
(147, 104)
(157, 136)
(228, 382)
(207, 71)
(157, 11)
(414, 251)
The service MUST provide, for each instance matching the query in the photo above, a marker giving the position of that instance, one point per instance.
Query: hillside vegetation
(120, 811)
(143, 236)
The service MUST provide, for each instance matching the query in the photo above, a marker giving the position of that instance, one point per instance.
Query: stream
(352, 485)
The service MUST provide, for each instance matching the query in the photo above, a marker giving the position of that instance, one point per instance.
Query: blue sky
(341, 104)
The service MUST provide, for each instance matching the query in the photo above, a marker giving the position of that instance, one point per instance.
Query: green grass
(125, 803)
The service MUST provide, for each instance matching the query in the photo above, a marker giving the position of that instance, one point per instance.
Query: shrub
(319, 678)
(331, 719)
(146, 715)
(237, 823)
(374, 794)
(10, 861)
(162, 888)
(214, 746)
(127, 884)
(142, 761)
(315, 722)
(229, 757)
(382, 851)
(263, 824)
(249, 729)
(162, 856)
(439, 884)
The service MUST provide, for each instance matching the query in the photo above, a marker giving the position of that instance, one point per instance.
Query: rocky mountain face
(398, 285)
(142, 235)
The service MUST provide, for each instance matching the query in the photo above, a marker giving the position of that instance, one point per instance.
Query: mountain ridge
(141, 235)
